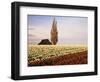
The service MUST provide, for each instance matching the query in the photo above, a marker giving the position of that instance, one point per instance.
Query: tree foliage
(54, 33)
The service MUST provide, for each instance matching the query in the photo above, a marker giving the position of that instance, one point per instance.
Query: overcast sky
(71, 30)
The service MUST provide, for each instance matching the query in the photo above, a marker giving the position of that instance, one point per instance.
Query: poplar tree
(54, 33)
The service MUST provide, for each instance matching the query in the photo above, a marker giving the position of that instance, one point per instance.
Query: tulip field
(43, 55)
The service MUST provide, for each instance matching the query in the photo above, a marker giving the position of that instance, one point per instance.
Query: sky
(71, 30)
